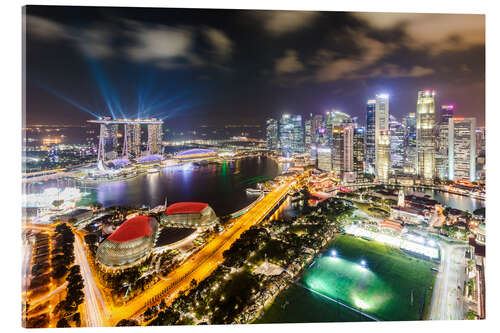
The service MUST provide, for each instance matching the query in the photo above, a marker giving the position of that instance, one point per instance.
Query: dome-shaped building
(190, 215)
(195, 154)
(130, 243)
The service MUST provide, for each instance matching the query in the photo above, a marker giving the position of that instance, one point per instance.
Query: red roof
(131, 229)
(391, 225)
(186, 208)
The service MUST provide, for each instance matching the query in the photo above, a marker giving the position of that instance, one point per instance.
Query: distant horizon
(195, 66)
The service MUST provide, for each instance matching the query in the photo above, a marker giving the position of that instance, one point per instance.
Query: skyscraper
(291, 134)
(324, 158)
(133, 132)
(358, 153)
(377, 120)
(441, 135)
(285, 134)
(338, 151)
(298, 135)
(462, 148)
(317, 124)
(383, 158)
(447, 112)
(370, 132)
(348, 169)
(272, 134)
(410, 144)
(397, 143)
(308, 133)
(110, 137)
(155, 144)
(425, 135)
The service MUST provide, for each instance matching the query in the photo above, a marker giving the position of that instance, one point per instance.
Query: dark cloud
(259, 63)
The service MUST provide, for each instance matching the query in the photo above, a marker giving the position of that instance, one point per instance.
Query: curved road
(447, 298)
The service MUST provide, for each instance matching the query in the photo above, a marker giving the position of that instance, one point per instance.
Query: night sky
(193, 67)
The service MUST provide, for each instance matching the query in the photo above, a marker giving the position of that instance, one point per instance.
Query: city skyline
(216, 67)
(222, 167)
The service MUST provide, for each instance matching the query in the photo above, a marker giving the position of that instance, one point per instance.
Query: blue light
(69, 100)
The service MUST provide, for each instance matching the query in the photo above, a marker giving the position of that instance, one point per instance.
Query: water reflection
(219, 185)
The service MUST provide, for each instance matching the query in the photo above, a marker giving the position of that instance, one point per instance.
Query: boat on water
(253, 191)
(153, 170)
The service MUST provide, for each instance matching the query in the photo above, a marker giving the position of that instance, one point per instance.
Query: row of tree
(68, 307)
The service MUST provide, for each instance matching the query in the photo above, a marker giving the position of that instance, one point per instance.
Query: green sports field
(392, 286)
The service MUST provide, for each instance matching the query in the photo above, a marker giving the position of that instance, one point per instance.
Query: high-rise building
(441, 134)
(291, 134)
(462, 148)
(480, 141)
(338, 151)
(397, 143)
(272, 134)
(447, 112)
(325, 158)
(133, 133)
(298, 135)
(370, 132)
(285, 133)
(383, 158)
(348, 171)
(155, 144)
(358, 153)
(317, 124)
(377, 120)
(410, 144)
(480, 153)
(110, 134)
(425, 135)
(308, 133)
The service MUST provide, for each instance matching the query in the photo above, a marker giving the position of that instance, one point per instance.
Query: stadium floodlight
(363, 263)
(333, 253)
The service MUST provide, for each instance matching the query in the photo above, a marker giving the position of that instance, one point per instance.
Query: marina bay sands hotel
(132, 144)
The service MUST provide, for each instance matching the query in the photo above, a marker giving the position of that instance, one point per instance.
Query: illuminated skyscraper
(291, 134)
(324, 158)
(358, 153)
(348, 170)
(383, 158)
(462, 148)
(441, 135)
(410, 143)
(133, 136)
(308, 133)
(109, 133)
(370, 132)
(272, 134)
(298, 135)
(397, 143)
(377, 120)
(447, 112)
(155, 144)
(317, 124)
(338, 151)
(425, 135)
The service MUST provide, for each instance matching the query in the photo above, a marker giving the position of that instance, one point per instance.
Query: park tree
(63, 322)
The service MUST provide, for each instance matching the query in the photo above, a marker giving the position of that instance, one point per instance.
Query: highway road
(447, 299)
(26, 253)
(95, 311)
